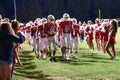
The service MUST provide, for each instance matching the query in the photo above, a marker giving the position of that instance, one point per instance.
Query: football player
(50, 30)
(65, 30)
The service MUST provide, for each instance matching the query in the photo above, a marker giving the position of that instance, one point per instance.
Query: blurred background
(83, 10)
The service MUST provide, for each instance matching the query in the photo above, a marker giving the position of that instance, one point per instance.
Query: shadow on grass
(83, 49)
(117, 53)
(97, 57)
(72, 61)
(87, 59)
(32, 74)
(26, 52)
(29, 67)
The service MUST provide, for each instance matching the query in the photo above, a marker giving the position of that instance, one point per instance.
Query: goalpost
(99, 12)
(15, 12)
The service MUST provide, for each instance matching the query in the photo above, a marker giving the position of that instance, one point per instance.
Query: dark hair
(5, 29)
(15, 25)
(115, 24)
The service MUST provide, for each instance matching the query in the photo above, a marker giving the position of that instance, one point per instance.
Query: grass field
(91, 65)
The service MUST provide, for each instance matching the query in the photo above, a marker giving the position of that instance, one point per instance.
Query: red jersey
(75, 31)
(23, 29)
(33, 31)
(101, 35)
(50, 29)
(66, 26)
(106, 32)
(28, 29)
(108, 26)
(105, 35)
(41, 30)
(98, 23)
(97, 34)
(89, 32)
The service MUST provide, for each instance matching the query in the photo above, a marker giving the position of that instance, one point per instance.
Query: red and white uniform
(33, 35)
(89, 32)
(43, 37)
(66, 29)
(41, 30)
(74, 34)
(97, 31)
(97, 34)
(75, 31)
(66, 26)
(101, 36)
(50, 29)
(22, 29)
(28, 32)
(105, 36)
(106, 33)
(34, 31)
(98, 23)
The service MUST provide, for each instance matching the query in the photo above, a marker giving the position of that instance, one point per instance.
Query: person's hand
(20, 64)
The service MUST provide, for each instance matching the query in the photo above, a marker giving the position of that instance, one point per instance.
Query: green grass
(91, 65)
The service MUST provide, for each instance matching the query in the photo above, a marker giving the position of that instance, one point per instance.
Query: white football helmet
(31, 23)
(80, 23)
(28, 24)
(37, 21)
(89, 22)
(50, 18)
(44, 20)
(66, 15)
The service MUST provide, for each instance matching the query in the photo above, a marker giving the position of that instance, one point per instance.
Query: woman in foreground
(7, 38)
